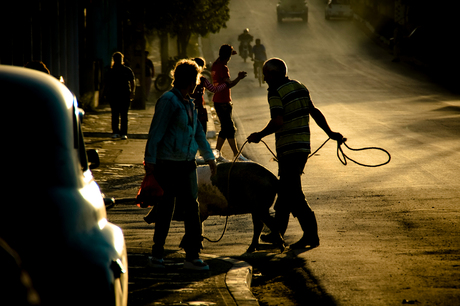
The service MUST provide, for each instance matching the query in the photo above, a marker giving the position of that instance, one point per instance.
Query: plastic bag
(149, 193)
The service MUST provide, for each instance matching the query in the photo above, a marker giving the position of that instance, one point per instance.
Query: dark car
(292, 9)
(52, 213)
(338, 9)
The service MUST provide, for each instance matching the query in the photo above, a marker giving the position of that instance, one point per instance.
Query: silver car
(52, 213)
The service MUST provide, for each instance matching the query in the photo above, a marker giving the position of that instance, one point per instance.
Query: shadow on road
(281, 277)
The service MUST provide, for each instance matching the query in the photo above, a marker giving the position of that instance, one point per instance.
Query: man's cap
(226, 51)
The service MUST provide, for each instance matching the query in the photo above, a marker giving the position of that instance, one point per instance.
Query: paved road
(387, 234)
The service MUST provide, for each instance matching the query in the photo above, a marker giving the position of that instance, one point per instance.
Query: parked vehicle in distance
(338, 9)
(292, 9)
(52, 213)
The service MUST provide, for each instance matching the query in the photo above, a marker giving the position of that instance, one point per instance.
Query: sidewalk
(119, 176)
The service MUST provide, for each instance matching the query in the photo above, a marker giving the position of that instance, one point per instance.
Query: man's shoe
(219, 157)
(196, 264)
(242, 158)
(124, 137)
(304, 242)
(156, 263)
(115, 135)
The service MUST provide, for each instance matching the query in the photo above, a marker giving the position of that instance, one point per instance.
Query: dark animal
(239, 188)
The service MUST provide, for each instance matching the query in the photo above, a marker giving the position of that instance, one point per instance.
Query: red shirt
(219, 72)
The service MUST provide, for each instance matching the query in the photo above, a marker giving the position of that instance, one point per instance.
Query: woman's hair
(185, 72)
(117, 59)
(200, 62)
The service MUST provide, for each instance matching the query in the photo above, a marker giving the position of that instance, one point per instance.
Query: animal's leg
(281, 221)
(275, 233)
(258, 226)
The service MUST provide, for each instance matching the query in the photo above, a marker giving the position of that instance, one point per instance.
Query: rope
(342, 159)
(345, 157)
(223, 232)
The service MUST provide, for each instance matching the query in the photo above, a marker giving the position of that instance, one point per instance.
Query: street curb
(238, 280)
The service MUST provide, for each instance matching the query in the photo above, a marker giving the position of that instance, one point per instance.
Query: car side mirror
(93, 158)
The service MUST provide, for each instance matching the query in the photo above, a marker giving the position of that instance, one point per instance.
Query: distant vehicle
(338, 9)
(292, 9)
(52, 213)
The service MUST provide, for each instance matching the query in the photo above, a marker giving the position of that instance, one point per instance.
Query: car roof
(41, 130)
(37, 83)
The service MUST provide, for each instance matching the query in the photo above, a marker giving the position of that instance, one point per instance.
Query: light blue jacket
(173, 134)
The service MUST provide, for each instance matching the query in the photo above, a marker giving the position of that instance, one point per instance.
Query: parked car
(338, 9)
(52, 213)
(292, 9)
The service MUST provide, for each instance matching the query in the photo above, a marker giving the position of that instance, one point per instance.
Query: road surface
(388, 234)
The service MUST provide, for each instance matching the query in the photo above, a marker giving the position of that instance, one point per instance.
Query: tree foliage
(183, 18)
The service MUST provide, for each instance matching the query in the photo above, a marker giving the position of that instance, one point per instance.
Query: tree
(183, 18)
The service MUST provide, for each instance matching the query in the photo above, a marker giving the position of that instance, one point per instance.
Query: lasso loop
(344, 157)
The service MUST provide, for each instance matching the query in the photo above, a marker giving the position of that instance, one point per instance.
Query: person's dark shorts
(227, 127)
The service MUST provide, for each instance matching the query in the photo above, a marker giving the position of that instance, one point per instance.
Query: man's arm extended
(320, 120)
(241, 75)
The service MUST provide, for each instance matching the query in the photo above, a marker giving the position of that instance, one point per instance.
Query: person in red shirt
(222, 100)
(198, 94)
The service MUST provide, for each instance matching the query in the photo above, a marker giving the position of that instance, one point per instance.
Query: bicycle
(258, 70)
(164, 80)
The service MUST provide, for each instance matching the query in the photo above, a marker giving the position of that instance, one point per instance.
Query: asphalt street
(389, 235)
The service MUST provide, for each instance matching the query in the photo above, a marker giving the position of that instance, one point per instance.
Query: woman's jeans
(179, 182)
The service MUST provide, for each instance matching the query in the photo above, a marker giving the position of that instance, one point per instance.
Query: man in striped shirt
(290, 111)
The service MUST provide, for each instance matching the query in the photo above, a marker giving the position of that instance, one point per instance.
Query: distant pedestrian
(222, 101)
(119, 91)
(175, 136)
(198, 94)
(290, 111)
(149, 74)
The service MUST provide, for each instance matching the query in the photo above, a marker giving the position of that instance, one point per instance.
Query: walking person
(222, 101)
(175, 135)
(119, 91)
(290, 111)
(149, 75)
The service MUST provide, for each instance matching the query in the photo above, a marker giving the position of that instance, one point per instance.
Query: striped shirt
(291, 100)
